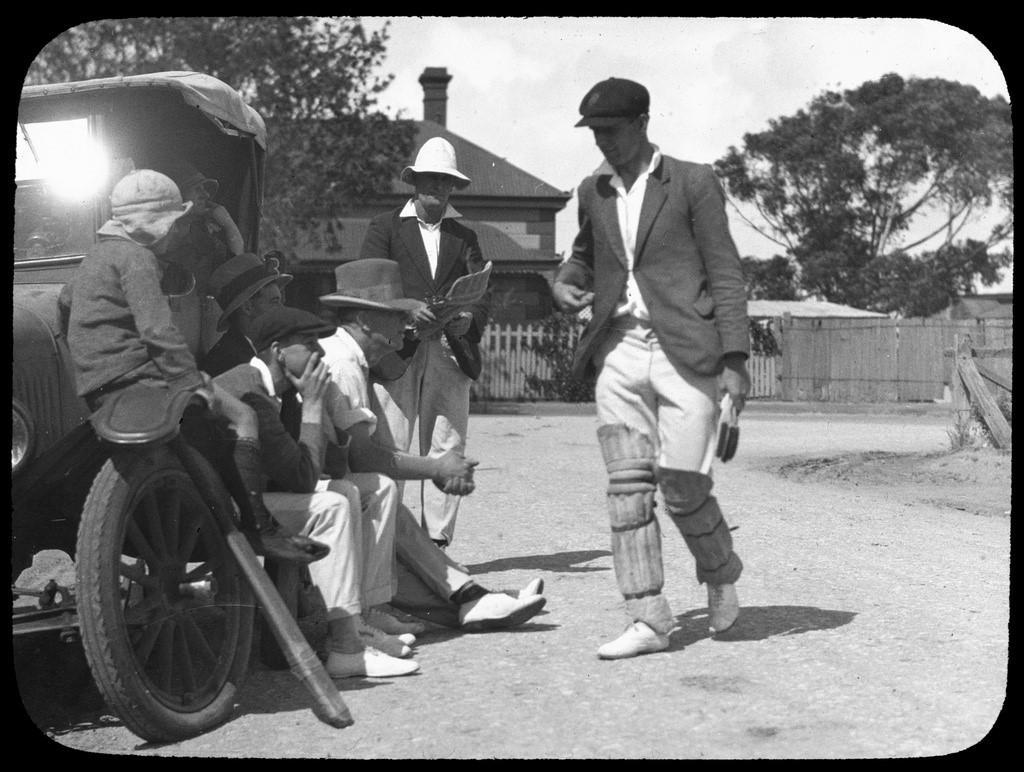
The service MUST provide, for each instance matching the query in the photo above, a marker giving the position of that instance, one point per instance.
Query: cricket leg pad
(699, 519)
(636, 536)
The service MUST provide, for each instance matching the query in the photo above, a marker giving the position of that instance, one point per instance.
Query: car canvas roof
(214, 98)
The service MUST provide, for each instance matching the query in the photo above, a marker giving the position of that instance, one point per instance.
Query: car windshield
(59, 172)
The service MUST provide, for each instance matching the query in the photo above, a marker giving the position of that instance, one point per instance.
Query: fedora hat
(370, 283)
(436, 156)
(144, 204)
(239, 279)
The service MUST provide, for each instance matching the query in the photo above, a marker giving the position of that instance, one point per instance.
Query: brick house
(511, 211)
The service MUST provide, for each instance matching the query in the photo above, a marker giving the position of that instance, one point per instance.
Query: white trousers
(326, 516)
(432, 394)
(359, 572)
(638, 386)
(377, 497)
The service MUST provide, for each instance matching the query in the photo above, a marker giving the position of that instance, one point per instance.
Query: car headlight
(22, 436)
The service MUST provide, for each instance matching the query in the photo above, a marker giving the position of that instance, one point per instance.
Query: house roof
(495, 244)
(805, 308)
(491, 175)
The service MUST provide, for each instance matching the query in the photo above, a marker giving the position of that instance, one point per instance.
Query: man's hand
(312, 384)
(571, 298)
(422, 316)
(455, 473)
(459, 326)
(736, 379)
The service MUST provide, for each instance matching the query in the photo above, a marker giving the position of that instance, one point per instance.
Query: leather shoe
(369, 662)
(389, 644)
(638, 638)
(533, 587)
(386, 623)
(274, 543)
(723, 607)
(496, 610)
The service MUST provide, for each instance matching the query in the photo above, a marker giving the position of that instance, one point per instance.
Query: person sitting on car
(211, 235)
(120, 333)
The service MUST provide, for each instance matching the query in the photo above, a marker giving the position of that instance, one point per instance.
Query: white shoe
(386, 623)
(638, 638)
(496, 610)
(370, 663)
(723, 607)
(533, 587)
(388, 644)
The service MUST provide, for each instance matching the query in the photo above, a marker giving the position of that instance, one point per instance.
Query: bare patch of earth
(971, 480)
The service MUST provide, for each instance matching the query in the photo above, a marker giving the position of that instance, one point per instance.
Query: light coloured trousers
(639, 387)
(675, 409)
(328, 517)
(427, 576)
(359, 571)
(432, 396)
(377, 497)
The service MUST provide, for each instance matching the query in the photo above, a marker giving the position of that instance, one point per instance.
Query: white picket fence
(508, 358)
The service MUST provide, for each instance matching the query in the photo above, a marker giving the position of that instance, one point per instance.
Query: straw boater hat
(144, 204)
(436, 156)
(239, 279)
(370, 283)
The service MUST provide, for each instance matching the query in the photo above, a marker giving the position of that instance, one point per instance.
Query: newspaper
(466, 291)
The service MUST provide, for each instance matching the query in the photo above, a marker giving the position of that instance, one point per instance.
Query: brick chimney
(435, 94)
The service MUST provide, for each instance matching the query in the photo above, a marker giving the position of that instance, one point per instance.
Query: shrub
(556, 346)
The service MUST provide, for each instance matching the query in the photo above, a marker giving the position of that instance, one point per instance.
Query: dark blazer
(686, 266)
(397, 238)
(230, 350)
(292, 464)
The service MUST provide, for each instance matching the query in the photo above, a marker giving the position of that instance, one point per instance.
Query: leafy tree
(839, 184)
(773, 279)
(925, 285)
(311, 78)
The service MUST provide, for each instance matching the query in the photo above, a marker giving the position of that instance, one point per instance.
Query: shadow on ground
(562, 562)
(755, 623)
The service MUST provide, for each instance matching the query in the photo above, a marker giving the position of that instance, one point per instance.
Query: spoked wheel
(165, 613)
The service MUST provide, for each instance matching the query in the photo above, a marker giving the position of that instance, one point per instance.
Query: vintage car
(169, 618)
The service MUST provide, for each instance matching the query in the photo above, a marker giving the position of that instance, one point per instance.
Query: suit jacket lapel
(610, 218)
(409, 230)
(655, 197)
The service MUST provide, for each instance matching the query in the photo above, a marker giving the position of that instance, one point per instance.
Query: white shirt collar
(265, 376)
(409, 210)
(607, 169)
(344, 337)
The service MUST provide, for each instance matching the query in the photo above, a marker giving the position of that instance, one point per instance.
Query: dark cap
(611, 100)
(282, 322)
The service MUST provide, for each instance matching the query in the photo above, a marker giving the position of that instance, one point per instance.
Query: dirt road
(874, 622)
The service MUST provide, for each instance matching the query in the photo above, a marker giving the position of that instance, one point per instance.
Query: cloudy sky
(517, 83)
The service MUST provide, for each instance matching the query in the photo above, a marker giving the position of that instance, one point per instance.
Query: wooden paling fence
(831, 360)
(979, 378)
(509, 358)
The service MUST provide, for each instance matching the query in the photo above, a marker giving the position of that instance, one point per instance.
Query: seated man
(244, 287)
(288, 357)
(372, 315)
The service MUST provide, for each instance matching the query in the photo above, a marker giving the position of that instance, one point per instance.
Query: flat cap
(611, 100)
(282, 322)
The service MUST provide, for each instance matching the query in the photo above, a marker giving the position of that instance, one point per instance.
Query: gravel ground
(874, 624)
